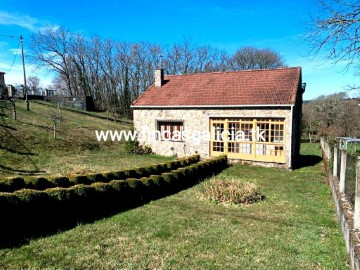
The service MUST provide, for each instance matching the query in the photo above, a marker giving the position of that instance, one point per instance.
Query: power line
(17, 52)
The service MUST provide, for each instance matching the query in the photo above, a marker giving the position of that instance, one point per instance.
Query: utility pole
(23, 62)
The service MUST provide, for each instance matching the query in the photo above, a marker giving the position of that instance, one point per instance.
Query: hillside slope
(27, 146)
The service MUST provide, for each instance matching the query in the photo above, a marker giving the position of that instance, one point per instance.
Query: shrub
(61, 182)
(83, 192)
(134, 147)
(231, 191)
(124, 193)
(105, 197)
(168, 177)
(157, 169)
(140, 172)
(130, 174)
(80, 179)
(60, 194)
(135, 183)
(10, 185)
(39, 183)
(84, 200)
(109, 176)
(137, 189)
(158, 180)
(8, 202)
(121, 186)
(120, 175)
(171, 166)
(150, 170)
(97, 178)
(150, 188)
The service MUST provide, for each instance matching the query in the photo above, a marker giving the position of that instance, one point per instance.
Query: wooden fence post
(335, 164)
(357, 196)
(342, 171)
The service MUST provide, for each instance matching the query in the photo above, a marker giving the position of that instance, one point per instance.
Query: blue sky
(226, 24)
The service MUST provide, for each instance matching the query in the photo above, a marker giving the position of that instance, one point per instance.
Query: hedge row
(27, 212)
(41, 183)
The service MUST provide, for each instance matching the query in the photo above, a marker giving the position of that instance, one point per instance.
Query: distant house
(257, 111)
(3, 88)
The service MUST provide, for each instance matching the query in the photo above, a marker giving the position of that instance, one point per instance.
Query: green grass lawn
(295, 227)
(27, 146)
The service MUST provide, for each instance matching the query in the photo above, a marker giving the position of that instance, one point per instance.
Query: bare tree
(33, 82)
(55, 117)
(348, 121)
(252, 58)
(50, 48)
(331, 115)
(116, 73)
(335, 30)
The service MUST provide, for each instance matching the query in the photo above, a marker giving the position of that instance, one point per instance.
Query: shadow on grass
(307, 161)
(10, 143)
(7, 169)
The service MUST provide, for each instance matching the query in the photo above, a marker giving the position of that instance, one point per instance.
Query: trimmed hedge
(41, 183)
(28, 211)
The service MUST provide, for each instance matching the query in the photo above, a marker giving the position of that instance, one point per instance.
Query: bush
(158, 180)
(80, 179)
(120, 175)
(97, 178)
(151, 170)
(231, 191)
(105, 197)
(10, 185)
(61, 194)
(140, 172)
(121, 186)
(61, 182)
(130, 174)
(84, 201)
(134, 147)
(171, 165)
(39, 183)
(109, 176)
(83, 193)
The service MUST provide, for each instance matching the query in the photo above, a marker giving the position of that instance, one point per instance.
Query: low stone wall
(345, 215)
(344, 211)
(325, 148)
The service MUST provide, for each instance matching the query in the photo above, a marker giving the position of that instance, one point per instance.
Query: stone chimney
(159, 77)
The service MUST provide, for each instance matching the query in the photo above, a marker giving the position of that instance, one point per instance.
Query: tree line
(333, 115)
(115, 73)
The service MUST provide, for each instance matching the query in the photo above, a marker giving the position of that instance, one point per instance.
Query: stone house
(251, 116)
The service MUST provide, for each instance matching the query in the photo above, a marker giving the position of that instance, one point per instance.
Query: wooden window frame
(270, 146)
(172, 126)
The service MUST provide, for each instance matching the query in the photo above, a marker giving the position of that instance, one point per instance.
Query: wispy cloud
(25, 21)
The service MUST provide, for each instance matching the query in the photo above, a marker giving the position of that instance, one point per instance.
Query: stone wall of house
(145, 120)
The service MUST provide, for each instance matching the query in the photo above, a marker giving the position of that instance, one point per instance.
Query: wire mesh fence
(350, 177)
(347, 148)
(338, 161)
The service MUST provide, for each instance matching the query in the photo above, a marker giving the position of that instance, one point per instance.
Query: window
(170, 130)
(259, 139)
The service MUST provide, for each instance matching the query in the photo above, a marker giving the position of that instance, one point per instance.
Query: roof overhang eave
(209, 106)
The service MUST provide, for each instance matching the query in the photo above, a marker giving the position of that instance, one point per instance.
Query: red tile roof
(247, 87)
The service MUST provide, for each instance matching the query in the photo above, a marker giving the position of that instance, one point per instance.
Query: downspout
(291, 136)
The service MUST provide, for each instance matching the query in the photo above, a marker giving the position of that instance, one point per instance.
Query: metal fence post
(335, 164)
(342, 171)
(357, 196)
